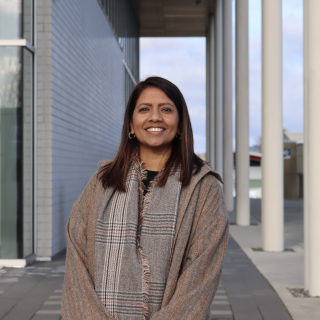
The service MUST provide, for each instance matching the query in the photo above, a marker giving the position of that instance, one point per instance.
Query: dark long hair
(114, 173)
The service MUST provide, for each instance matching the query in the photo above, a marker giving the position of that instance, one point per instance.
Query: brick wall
(83, 94)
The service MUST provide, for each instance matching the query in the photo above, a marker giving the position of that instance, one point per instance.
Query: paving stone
(221, 313)
(250, 295)
(243, 293)
(221, 302)
(46, 317)
(26, 296)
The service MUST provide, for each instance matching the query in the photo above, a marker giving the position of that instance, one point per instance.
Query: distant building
(292, 168)
(254, 175)
(293, 165)
(292, 136)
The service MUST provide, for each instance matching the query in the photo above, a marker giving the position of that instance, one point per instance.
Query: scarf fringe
(142, 172)
(145, 283)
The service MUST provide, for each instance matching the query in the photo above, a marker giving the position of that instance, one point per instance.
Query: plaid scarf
(134, 236)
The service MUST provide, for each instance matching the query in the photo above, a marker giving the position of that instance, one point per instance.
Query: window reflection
(15, 153)
(10, 106)
(10, 19)
(16, 141)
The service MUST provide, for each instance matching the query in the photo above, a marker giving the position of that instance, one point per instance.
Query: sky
(182, 61)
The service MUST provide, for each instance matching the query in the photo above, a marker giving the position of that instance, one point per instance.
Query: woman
(147, 237)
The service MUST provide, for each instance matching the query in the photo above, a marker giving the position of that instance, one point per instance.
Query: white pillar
(218, 87)
(272, 135)
(210, 143)
(227, 105)
(242, 114)
(312, 69)
(305, 152)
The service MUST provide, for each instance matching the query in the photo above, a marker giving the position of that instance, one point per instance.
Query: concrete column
(312, 69)
(306, 151)
(242, 114)
(272, 135)
(218, 87)
(210, 132)
(227, 105)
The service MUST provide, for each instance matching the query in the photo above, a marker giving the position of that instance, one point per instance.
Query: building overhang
(173, 18)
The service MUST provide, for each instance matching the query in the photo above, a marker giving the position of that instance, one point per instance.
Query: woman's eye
(143, 109)
(166, 109)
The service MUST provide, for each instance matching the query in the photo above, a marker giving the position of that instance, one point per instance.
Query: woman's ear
(131, 127)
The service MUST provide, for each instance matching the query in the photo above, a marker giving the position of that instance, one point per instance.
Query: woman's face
(155, 119)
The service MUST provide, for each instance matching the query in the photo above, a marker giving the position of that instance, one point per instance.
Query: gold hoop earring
(131, 136)
(178, 136)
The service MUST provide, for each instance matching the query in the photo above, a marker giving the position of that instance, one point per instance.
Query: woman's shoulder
(208, 198)
(207, 181)
(210, 190)
(208, 175)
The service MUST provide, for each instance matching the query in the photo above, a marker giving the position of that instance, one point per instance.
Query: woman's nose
(155, 115)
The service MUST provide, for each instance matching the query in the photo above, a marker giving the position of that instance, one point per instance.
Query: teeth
(155, 129)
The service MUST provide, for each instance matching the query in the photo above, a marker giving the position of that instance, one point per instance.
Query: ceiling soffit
(175, 18)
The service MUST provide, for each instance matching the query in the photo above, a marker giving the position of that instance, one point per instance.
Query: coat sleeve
(79, 300)
(202, 265)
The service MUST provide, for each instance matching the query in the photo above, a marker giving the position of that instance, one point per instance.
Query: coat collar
(187, 192)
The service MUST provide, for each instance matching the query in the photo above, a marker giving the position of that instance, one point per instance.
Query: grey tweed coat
(198, 250)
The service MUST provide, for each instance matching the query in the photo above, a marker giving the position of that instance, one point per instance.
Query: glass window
(16, 19)
(10, 19)
(9, 103)
(15, 153)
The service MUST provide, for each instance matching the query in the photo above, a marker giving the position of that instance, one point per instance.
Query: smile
(155, 129)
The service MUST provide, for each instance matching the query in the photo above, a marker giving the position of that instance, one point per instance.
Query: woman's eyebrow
(164, 103)
(145, 104)
(159, 105)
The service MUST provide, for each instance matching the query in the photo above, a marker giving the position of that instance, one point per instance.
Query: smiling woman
(147, 237)
(155, 123)
(155, 103)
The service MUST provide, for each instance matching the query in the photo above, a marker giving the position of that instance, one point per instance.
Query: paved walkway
(35, 292)
(282, 270)
(244, 292)
(250, 295)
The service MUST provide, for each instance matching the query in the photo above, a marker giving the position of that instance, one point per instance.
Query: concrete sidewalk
(282, 270)
(243, 293)
(250, 289)
(33, 292)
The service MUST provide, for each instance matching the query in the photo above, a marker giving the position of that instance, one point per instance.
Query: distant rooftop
(293, 136)
(255, 154)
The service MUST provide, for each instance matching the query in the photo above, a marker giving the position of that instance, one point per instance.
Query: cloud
(182, 61)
